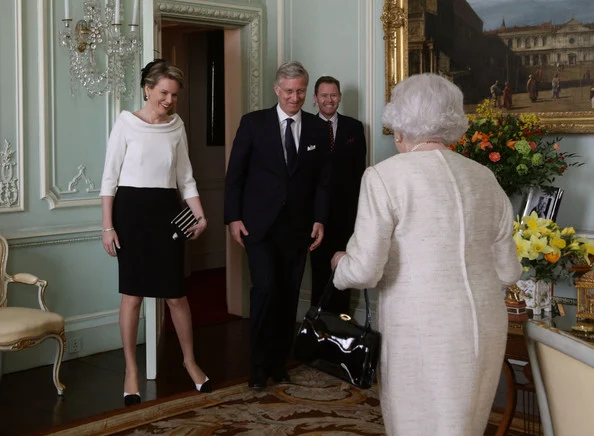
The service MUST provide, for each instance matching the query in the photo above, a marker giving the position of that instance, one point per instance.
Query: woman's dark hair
(156, 70)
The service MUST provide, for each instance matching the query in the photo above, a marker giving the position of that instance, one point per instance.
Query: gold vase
(585, 296)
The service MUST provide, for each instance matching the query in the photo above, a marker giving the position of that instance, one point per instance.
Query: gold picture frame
(395, 23)
(398, 29)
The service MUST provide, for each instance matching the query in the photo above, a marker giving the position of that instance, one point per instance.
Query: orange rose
(494, 157)
(532, 145)
(552, 257)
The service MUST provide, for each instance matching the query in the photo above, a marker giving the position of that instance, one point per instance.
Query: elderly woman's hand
(337, 256)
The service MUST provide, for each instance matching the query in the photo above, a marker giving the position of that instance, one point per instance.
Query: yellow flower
(557, 241)
(522, 246)
(546, 251)
(531, 221)
(540, 245)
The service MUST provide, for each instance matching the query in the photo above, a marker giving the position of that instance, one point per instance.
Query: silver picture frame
(544, 200)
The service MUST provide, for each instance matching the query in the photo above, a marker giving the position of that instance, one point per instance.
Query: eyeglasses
(299, 92)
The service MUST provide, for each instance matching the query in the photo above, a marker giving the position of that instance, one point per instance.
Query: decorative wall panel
(11, 109)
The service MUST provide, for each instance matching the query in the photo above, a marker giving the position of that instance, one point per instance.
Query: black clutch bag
(182, 222)
(337, 345)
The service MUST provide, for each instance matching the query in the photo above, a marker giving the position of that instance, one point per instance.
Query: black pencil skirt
(150, 261)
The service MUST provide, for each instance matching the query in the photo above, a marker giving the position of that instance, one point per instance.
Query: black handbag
(337, 345)
(182, 222)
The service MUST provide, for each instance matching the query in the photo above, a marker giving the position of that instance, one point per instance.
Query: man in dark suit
(348, 150)
(275, 204)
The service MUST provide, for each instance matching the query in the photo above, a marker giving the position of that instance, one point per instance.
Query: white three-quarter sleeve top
(144, 155)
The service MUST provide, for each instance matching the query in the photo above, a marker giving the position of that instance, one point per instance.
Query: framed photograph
(544, 201)
(528, 56)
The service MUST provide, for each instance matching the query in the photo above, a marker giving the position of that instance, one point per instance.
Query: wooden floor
(94, 384)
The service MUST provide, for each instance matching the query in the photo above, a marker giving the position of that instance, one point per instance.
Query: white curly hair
(426, 106)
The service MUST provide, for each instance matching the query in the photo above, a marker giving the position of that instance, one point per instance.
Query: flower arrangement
(512, 146)
(546, 250)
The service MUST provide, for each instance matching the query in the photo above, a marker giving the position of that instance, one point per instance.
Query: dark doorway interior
(206, 295)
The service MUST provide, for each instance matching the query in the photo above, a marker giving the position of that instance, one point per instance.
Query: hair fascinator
(146, 70)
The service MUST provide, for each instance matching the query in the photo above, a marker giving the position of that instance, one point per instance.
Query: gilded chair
(563, 371)
(23, 327)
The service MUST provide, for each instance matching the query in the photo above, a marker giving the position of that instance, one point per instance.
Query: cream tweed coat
(434, 235)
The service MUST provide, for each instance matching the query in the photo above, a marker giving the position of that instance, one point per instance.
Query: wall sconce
(96, 32)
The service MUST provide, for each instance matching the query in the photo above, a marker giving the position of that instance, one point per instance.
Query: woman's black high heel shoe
(205, 387)
(131, 399)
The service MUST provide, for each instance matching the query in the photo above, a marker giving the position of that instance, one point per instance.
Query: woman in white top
(434, 235)
(146, 164)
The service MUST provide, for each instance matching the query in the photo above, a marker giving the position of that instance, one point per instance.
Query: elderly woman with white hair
(434, 236)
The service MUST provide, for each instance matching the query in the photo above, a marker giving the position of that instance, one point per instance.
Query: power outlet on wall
(74, 345)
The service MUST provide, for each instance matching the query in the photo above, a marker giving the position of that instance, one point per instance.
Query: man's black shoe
(258, 379)
(280, 375)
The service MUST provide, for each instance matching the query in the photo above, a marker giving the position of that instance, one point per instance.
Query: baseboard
(94, 333)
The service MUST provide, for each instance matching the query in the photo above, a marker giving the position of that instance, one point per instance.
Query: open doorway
(198, 50)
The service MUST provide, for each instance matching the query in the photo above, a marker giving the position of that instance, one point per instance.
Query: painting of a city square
(526, 55)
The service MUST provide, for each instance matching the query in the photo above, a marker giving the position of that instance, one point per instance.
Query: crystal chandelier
(101, 34)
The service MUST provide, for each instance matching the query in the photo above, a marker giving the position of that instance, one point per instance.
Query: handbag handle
(326, 296)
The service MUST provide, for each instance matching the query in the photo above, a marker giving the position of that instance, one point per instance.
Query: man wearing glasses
(276, 207)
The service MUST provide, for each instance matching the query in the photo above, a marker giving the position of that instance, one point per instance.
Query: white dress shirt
(295, 127)
(334, 121)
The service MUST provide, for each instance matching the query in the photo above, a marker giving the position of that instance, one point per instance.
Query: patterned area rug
(312, 404)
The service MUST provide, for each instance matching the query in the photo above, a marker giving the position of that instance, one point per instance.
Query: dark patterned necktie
(290, 146)
(331, 135)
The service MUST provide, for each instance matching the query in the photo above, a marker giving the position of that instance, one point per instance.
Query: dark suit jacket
(258, 184)
(348, 165)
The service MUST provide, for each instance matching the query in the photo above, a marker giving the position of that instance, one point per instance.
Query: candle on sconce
(135, 13)
(67, 15)
(116, 12)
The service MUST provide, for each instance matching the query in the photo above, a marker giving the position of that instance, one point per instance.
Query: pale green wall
(577, 203)
(59, 132)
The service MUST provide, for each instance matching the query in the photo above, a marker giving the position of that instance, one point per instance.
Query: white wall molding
(92, 320)
(97, 332)
(53, 235)
(49, 186)
(249, 18)
(369, 105)
(280, 32)
(17, 168)
(81, 175)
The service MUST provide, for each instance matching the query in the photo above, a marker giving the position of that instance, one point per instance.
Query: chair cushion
(18, 323)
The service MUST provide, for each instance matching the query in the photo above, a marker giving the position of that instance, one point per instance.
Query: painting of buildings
(548, 65)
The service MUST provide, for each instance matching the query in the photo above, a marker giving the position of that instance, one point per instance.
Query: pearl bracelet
(108, 230)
